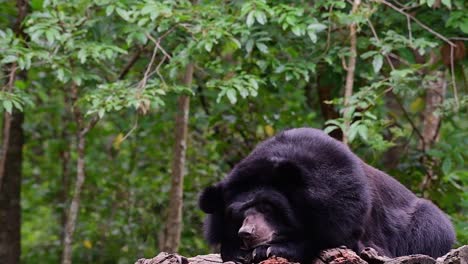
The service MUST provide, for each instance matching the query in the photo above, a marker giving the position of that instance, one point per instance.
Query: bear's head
(255, 217)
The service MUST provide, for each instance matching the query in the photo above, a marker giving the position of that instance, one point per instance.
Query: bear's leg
(232, 252)
(292, 251)
(429, 231)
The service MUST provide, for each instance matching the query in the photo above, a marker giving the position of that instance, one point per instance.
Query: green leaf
(231, 94)
(464, 26)
(237, 42)
(110, 10)
(208, 46)
(368, 54)
(82, 56)
(446, 165)
(249, 46)
(250, 18)
(243, 92)
(17, 105)
(377, 63)
(260, 17)
(50, 36)
(8, 106)
(317, 27)
(312, 36)
(101, 113)
(9, 59)
(362, 130)
(254, 83)
(297, 30)
(122, 13)
(353, 130)
(262, 47)
(329, 129)
(447, 3)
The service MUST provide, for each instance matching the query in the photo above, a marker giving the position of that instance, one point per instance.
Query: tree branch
(131, 62)
(401, 11)
(350, 72)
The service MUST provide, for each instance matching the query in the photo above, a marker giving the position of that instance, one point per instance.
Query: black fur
(328, 198)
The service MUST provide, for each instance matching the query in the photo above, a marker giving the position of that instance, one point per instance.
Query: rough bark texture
(65, 158)
(324, 92)
(435, 95)
(392, 156)
(170, 237)
(329, 256)
(5, 145)
(350, 72)
(10, 163)
(72, 215)
(10, 210)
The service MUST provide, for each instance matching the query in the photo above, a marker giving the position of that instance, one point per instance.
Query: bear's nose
(246, 232)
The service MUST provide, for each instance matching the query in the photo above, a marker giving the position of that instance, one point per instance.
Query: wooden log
(329, 256)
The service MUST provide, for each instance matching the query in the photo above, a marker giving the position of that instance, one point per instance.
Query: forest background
(110, 109)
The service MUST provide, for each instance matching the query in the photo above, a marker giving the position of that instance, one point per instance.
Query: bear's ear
(286, 174)
(211, 199)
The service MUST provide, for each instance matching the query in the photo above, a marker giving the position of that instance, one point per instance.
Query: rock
(455, 256)
(339, 256)
(371, 256)
(412, 259)
(164, 258)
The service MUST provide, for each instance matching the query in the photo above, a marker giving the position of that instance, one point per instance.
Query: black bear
(303, 191)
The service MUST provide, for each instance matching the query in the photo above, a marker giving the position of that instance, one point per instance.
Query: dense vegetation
(111, 72)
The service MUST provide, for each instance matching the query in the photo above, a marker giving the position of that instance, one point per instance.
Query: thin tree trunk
(72, 215)
(10, 163)
(392, 156)
(7, 118)
(10, 195)
(324, 92)
(5, 145)
(171, 235)
(435, 95)
(350, 73)
(65, 159)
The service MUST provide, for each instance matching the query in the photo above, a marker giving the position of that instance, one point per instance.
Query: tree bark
(11, 162)
(65, 156)
(324, 92)
(350, 73)
(72, 215)
(435, 95)
(171, 235)
(10, 195)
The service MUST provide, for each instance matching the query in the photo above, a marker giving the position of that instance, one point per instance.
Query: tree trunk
(435, 95)
(350, 73)
(10, 164)
(65, 157)
(72, 215)
(325, 86)
(10, 209)
(171, 235)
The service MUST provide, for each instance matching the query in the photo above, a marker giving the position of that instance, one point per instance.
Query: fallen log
(329, 256)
